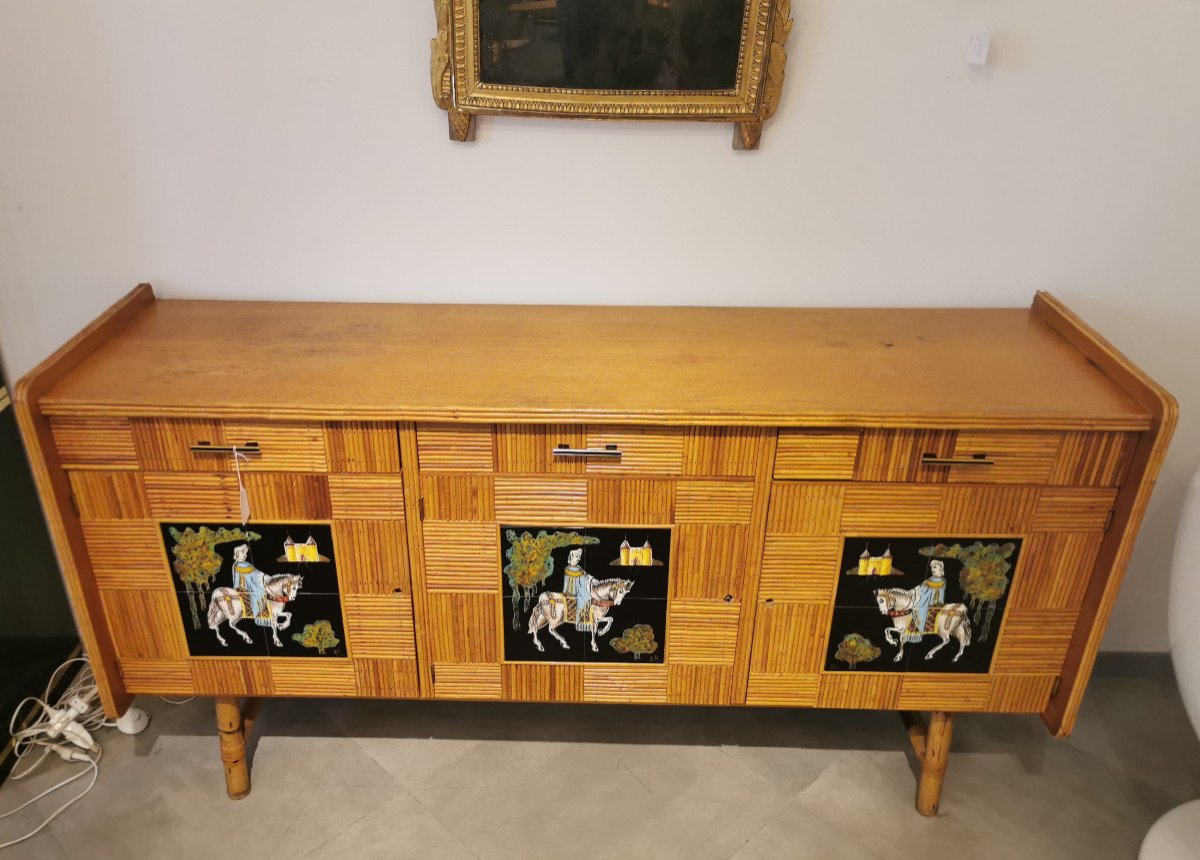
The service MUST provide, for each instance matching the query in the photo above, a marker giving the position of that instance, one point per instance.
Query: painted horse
(228, 605)
(551, 610)
(898, 605)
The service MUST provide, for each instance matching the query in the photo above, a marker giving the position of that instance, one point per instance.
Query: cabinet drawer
(965, 456)
(167, 445)
(576, 449)
(1015, 458)
(1034, 457)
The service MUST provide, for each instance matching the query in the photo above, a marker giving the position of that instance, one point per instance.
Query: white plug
(67, 754)
(78, 735)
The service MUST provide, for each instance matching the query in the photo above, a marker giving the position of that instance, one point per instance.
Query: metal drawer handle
(974, 460)
(210, 448)
(606, 451)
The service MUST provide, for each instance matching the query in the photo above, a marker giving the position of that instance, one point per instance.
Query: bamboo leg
(249, 715)
(231, 729)
(916, 732)
(935, 753)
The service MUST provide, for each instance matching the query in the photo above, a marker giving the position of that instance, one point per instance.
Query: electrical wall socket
(978, 45)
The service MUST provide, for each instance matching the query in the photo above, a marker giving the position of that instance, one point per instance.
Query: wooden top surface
(819, 367)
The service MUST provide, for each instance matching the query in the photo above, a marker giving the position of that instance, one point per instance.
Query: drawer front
(497, 545)
(169, 445)
(576, 449)
(311, 597)
(1004, 568)
(1084, 459)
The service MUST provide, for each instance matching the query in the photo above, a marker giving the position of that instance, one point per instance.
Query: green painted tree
(984, 576)
(530, 562)
(317, 635)
(855, 649)
(196, 562)
(636, 640)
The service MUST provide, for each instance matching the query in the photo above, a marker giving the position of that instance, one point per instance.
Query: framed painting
(714, 60)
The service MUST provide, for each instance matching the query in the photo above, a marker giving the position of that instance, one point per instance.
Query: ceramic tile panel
(953, 589)
(260, 590)
(621, 574)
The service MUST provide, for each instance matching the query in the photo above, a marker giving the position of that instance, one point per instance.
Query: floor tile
(799, 833)
(495, 780)
(398, 830)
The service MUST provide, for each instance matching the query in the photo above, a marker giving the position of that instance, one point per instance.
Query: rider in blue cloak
(253, 582)
(578, 582)
(931, 594)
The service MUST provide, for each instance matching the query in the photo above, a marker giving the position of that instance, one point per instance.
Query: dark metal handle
(607, 451)
(210, 448)
(973, 460)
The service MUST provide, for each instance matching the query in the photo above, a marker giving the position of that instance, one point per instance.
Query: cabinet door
(951, 596)
(310, 597)
(662, 536)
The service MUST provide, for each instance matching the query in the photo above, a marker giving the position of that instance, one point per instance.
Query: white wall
(289, 149)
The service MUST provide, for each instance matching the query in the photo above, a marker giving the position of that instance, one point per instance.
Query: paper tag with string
(243, 498)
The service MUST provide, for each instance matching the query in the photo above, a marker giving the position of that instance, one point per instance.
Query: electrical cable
(93, 767)
(177, 701)
(71, 720)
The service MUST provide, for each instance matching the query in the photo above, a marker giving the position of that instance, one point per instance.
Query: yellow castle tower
(290, 551)
(875, 565)
(647, 554)
(625, 551)
(310, 552)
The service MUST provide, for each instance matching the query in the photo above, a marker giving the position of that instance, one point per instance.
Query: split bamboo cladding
(706, 484)
(129, 475)
(758, 468)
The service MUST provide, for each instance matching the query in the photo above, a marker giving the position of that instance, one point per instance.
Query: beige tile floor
(449, 780)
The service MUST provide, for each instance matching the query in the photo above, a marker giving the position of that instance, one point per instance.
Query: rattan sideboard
(927, 511)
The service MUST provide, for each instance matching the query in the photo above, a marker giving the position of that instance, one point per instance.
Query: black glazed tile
(858, 642)
(900, 556)
(974, 569)
(315, 628)
(204, 641)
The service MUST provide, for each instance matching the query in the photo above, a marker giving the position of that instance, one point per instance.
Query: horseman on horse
(250, 584)
(930, 594)
(577, 584)
(254, 595)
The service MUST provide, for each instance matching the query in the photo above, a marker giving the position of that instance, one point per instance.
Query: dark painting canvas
(595, 595)
(920, 604)
(680, 45)
(262, 590)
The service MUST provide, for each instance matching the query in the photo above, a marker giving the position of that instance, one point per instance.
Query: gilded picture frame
(460, 68)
